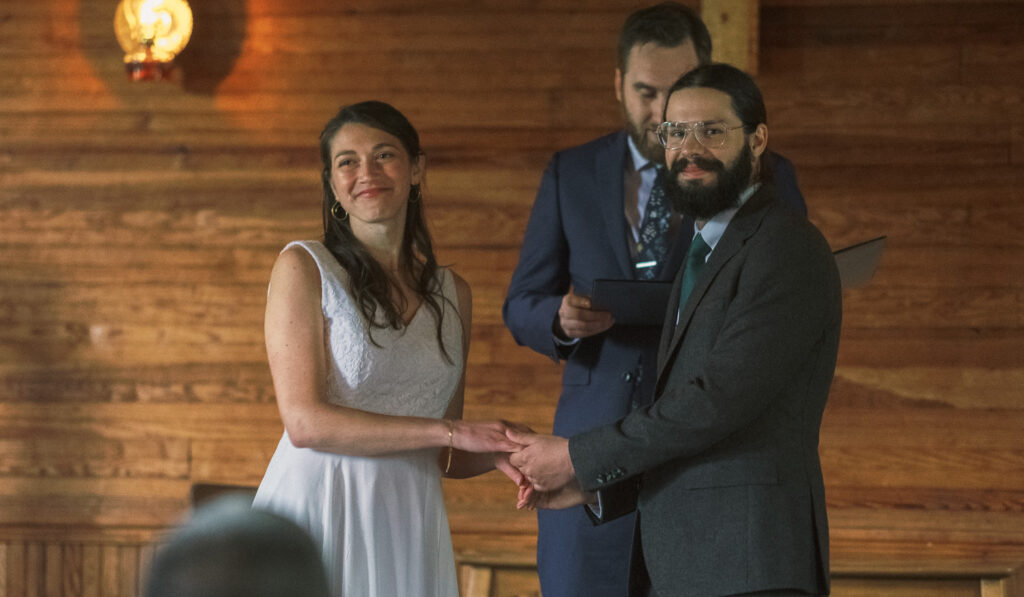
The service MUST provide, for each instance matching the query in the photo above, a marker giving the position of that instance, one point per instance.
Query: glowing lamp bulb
(152, 33)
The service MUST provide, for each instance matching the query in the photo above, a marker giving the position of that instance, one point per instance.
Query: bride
(367, 340)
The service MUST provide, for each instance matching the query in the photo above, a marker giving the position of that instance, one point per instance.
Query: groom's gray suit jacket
(723, 466)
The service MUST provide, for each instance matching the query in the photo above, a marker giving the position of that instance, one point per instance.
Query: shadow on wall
(217, 38)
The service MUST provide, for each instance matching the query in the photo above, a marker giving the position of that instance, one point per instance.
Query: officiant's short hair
(228, 549)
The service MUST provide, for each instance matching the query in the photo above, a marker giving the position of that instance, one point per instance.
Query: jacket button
(627, 376)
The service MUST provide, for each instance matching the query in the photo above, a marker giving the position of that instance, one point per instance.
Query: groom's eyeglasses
(712, 135)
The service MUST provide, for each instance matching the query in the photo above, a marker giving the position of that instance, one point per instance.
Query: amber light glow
(152, 33)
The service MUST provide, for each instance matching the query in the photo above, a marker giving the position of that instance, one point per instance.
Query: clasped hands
(540, 466)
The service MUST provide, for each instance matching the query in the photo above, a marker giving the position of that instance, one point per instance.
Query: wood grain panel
(143, 502)
(109, 579)
(91, 555)
(232, 462)
(15, 568)
(923, 386)
(844, 587)
(35, 570)
(192, 306)
(141, 420)
(53, 569)
(71, 572)
(78, 454)
(42, 382)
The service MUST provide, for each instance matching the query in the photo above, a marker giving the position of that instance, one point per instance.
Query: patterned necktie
(695, 263)
(653, 244)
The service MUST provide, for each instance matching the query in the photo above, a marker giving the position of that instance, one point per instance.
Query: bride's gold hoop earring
(339, 212)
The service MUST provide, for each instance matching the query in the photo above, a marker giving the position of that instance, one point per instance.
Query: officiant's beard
(702, 202)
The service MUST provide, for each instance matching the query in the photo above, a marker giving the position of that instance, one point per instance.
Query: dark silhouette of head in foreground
(227, 549)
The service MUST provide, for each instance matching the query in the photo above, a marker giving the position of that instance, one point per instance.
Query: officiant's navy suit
(578, 233)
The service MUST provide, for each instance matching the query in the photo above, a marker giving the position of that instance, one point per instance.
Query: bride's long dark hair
(370, 285)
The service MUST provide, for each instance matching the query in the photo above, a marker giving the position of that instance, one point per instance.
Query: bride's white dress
(380, 521)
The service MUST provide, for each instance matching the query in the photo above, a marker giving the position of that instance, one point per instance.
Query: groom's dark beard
(700, 202)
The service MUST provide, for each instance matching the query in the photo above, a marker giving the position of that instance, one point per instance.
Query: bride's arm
(294, 330)
(469, 464)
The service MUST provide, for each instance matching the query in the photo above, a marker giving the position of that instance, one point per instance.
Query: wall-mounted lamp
(152, 33)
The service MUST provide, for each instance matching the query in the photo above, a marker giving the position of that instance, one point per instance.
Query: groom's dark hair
(746, 98)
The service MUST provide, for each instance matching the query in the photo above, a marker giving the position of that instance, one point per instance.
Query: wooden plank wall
(138, 224)
(880, 106)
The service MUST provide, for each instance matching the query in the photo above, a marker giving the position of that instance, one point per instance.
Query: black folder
(857, 263)
(632, 302)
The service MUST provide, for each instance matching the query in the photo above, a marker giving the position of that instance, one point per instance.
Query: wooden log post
(733, 25)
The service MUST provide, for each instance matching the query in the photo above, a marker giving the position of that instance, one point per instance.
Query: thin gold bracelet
(451, 438)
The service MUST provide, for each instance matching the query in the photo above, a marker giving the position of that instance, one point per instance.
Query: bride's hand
(502, 463)
(482, 436)
(565, 497)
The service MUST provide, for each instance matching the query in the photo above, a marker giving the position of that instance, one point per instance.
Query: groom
(722, 468)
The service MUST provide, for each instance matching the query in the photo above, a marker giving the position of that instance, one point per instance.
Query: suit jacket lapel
(740, 228)
(609, 165)
(677, 249)
(669, 326)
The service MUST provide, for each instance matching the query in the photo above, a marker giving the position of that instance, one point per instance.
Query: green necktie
(695, 263)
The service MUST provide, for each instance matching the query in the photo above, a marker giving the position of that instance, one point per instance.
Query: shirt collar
(715, 227)
(639, 161)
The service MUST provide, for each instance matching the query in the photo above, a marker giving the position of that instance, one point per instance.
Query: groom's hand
(501, 459)
(566, 497)
(543, 459)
